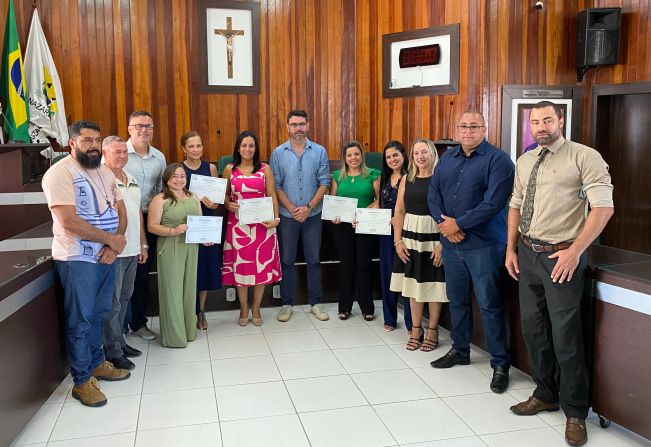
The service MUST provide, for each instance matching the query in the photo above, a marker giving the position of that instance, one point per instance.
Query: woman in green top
(357, 181)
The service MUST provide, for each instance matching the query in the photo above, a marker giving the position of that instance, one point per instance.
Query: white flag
(47, 115)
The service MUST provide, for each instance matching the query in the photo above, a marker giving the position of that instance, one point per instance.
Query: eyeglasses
(296, 125)
(472, 129)
(142, 126)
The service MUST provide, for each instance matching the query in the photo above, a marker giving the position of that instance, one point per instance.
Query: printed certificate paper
(202, 229)
(373, 221)
(338, 207)
(212, 187)
(258, 210)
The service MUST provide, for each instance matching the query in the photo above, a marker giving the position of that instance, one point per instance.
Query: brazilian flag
(12, 83)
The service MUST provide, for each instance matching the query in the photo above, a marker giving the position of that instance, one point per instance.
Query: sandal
(204, 322)
(256, 321)
(428, 344)
(414, 343)
(369, 317)
(389, 328)
(344, 315)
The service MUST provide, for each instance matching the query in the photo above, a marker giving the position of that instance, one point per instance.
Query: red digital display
(420, 56)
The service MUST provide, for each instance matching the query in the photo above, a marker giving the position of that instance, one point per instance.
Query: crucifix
(229, 33)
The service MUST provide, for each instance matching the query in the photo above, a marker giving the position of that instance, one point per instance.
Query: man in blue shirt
(467, 197)
(302, 174)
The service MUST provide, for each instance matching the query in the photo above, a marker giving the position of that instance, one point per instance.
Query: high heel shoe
(429, 344)
(204, 321)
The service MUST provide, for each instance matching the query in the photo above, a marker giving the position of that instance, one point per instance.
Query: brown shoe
(533, 406)
(106, 371)
(575, 431)
(89, 393)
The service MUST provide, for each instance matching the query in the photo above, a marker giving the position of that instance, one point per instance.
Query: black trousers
(140, 286)
(354, 252)
(553, 331)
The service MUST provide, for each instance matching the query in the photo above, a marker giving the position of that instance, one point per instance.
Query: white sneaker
(146, 334)
(319, 312)
(285, 313)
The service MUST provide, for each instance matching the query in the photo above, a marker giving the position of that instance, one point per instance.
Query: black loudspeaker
(597, 40)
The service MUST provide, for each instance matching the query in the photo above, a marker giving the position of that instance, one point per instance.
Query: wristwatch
(145, 246)
(309, 207)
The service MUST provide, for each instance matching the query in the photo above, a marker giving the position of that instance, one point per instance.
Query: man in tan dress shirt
(552, 225)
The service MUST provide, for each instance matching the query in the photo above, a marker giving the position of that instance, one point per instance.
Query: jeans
(138, 303)
(389, 298)
(481, 267)
(125, 274)
(88, 289)
(309, 231)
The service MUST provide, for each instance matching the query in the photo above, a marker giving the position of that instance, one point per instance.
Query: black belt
(542, 247)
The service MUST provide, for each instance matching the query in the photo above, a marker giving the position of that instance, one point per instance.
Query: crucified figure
(229, 33)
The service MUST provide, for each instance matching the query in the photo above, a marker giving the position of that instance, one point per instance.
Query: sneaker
(89, 393)
(106, 371)
(145, 333)
(319, 312)
(285, 313)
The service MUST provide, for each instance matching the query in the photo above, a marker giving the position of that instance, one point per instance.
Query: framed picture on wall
(229, 43)
(421, 62)
(517, 102)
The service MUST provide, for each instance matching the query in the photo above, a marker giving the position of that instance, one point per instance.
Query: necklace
(105, 194)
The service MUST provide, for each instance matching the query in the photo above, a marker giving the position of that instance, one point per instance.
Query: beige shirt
(131, 195)
(93, 193)
(571, 176)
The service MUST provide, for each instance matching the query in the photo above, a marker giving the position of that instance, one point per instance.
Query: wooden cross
(229, 33)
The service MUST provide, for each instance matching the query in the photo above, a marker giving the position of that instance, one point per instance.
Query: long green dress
(177, 276)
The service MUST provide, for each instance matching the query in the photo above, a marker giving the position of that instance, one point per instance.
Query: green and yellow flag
(12, 83)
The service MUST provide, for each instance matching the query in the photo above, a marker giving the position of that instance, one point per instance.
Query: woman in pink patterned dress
(250, 251)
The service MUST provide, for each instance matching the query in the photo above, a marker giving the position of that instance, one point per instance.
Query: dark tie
(527, 207)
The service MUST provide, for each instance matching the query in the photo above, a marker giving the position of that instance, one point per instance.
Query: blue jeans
(481, 267)
(389, 298)
(125, 274)
(309, 231)
(88, 290)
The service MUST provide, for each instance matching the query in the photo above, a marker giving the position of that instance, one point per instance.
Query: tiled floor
(303, 383)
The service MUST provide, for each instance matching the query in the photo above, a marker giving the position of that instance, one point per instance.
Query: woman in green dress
(358, 181)
(176, 260)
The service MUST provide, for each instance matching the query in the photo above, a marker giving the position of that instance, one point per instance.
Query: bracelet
(277, 219)
(398, 242)
(145, 246)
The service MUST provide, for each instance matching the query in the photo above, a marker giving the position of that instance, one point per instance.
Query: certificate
(258, 210)
(205, 186)
(373, 221)
(202, 229)
(342, 208)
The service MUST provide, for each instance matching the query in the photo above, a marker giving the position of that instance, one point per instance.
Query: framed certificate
(254, 211)
(373, 221)
(342, 208)
(204, 229)
(206, 186)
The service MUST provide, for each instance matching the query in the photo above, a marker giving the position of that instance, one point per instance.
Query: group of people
(449, 237)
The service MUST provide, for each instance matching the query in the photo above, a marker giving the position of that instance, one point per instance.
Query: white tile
(454, 381)
(59, 395)
(130, 387)
(357, 426)
(421, 420)
(517, 379)
(324, 393)
(241, 370)
(275, 431)
(298, 322)
(253, 401)
(141, 360)
(417, 359)
(119, 415)
(176, 408)
(228, 328)
(382, 387)
(38, 429)
(187, 436)
(195, 351)
(299, 365)
(614, 435)
(177, 376)
(295, 341)
(540, 437)
(335, 322)
(241, 346)
(117, 440)
(394, 337)
(231, 314)
(350, 337)
(470, 441)
(367, 359)
(489, 413)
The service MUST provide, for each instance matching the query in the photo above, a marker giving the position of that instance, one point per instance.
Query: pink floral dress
(250, 251)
